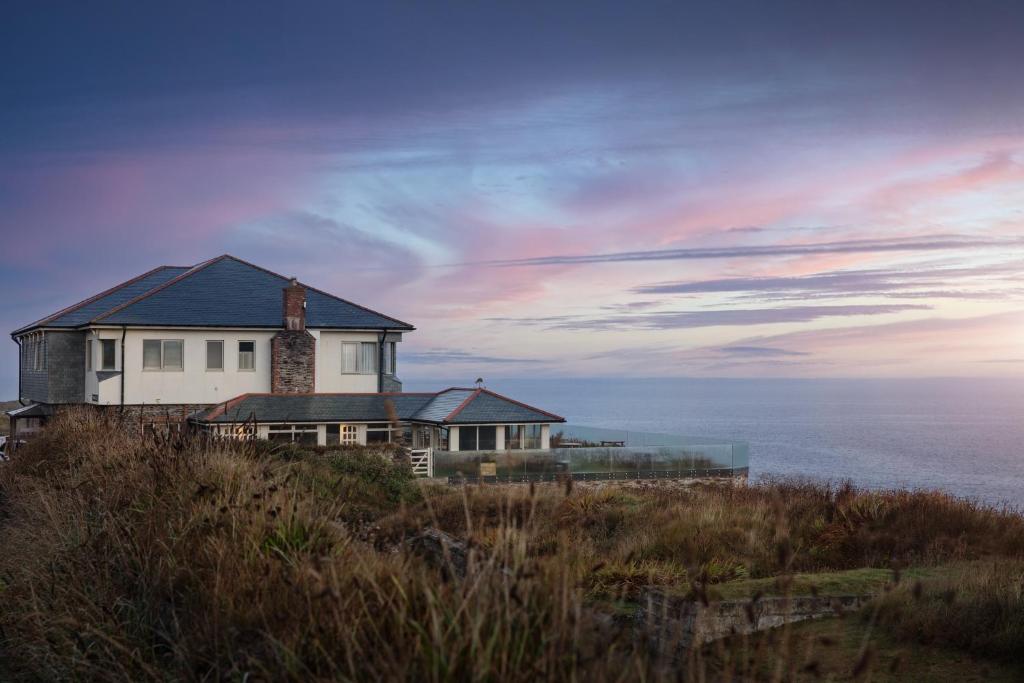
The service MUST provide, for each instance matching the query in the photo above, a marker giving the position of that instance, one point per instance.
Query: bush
(981, 611)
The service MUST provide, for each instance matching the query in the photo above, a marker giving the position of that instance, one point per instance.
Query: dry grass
(5, 422)
(189, 560)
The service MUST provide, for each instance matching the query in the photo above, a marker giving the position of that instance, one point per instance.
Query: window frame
(163, 355)
(215, 341)
(390, 358)
(105, 344)
(297, 433)
(465, 431)
(88, 355)
(360, 356)
(238, 356)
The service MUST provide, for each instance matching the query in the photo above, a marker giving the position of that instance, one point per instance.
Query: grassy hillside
(5, 423)
(127, 559)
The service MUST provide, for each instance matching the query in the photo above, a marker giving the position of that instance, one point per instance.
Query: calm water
(963, 436)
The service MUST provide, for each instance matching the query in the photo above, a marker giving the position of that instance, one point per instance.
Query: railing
(643, 456)
(422, 462)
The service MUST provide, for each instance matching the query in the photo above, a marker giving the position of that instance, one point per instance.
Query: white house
(226, 343)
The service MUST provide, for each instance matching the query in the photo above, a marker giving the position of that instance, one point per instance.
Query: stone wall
(292, 362)
(678, 622)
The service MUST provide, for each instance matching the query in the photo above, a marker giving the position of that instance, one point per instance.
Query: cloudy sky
(549, 188)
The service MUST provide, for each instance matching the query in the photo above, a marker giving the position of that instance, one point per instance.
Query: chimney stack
(294, 306)
(293, 349)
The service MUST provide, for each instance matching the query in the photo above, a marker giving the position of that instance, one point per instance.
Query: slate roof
(452, 406)
(84, 311)
(221, 292)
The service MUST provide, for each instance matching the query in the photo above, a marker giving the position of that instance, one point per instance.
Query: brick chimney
(294, 306)
(293, 349)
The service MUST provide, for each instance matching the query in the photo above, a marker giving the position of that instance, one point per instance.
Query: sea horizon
(958, 435)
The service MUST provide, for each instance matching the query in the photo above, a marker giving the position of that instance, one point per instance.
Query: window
(39, 353)
(88, 355)
(380, 432)
(478, 438)
(246, 355)
(359, 358)
(389, 358)
(531, 436)
(214, 355)
(163, 354)
(522, 436)
(345, 435)
(368, 363)
(514, 437)
(300, 434)
(108, 354)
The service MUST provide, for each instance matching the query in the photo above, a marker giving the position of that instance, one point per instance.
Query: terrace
(595, 454)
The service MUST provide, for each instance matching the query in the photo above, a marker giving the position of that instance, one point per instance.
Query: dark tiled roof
(81, 313)
(222, 292)
(444, 404)
(315, 408)
(486, 406)
(451, 406)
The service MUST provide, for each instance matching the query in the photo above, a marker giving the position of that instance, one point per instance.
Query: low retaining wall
(677, 622)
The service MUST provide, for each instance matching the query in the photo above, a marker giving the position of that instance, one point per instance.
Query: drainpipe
(124, 333)
(380, 360)
(17, 340)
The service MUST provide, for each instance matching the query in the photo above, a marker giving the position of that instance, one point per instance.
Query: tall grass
(147, 559)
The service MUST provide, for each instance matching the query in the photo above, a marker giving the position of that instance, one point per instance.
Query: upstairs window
(246, 355)
(39, 354)
(389, 358)
(214, 355)
(359, 358)
(108, 354)
(88, 355)
(165, 355)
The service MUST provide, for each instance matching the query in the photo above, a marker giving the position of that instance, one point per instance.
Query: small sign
(488, 469)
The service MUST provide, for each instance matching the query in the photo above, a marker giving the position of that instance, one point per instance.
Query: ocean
(964, 436)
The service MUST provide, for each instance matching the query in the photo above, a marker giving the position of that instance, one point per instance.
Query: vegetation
(146, 558)
(5, 422)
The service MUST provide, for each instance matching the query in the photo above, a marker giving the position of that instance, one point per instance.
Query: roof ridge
(95, 297)
(469, 399)
(222, 408)
(521, 404)
(191, 271)
(318, 291)
(341, 393)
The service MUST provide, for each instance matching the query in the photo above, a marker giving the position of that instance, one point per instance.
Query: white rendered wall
(329, 378)
(194, 383)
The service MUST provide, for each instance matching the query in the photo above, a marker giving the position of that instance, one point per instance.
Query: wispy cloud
(758, 352)
(443, 356)
(711, 318)
(911, 244)
(908, 282)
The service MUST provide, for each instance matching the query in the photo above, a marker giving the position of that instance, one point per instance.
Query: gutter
(124, 333)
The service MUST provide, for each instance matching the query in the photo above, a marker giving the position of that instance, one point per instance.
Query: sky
(545, 189)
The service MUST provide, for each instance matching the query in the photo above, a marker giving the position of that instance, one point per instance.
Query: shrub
(980, 611)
